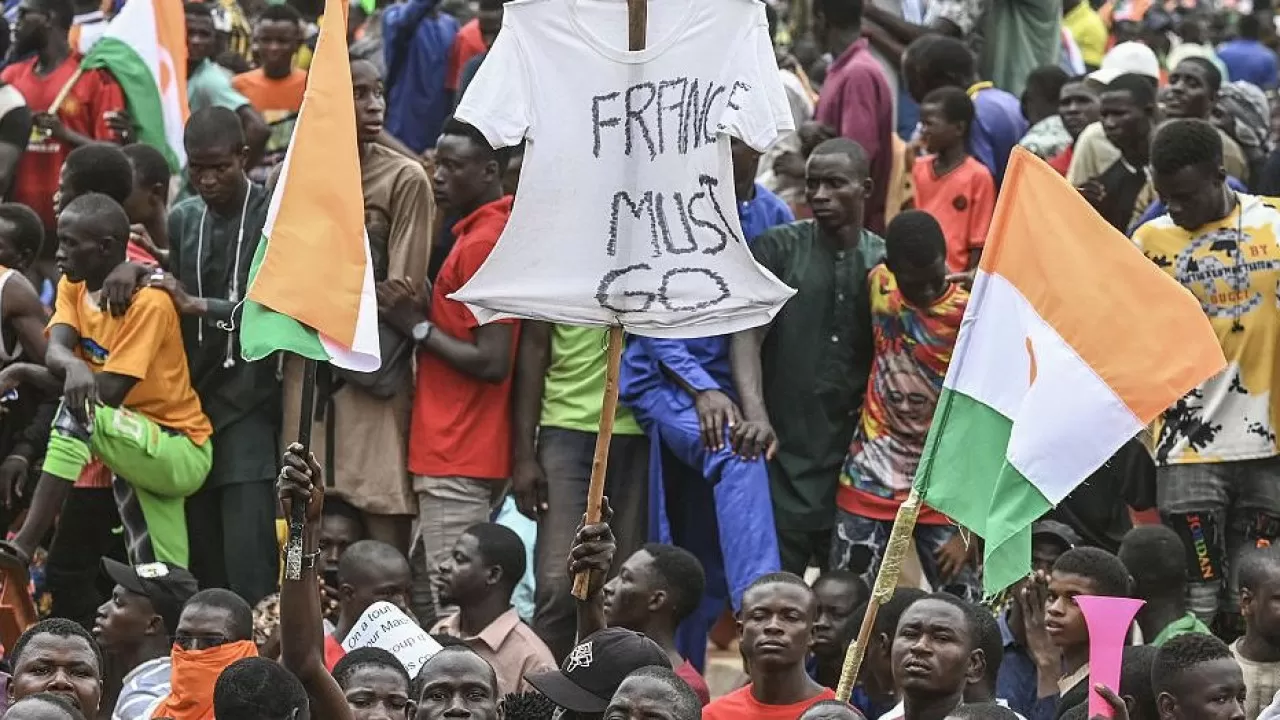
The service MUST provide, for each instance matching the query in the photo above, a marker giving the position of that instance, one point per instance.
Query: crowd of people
(146, 468)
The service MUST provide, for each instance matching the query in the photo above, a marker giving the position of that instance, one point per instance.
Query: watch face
(420, 331)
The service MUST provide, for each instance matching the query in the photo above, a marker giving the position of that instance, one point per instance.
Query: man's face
(337, 533)
(376, 584)
(66, 666)
(1078, 106)
(490, 21)
(1125, 123)
(776, 625)
(34, 27)
(202, 627)
(1213, 690)
(275, 42)
(463, 172)
(217, 173)
(835, 190)
(371, 104)
(932, 653)
(1045, 551)
(1261, 609)
(458, 685)
(377, 693)
(125, 619)
(65, 193)
(201, 39)
(641, 698)
(834, 626)
(464, 577)
(1193, 194)
(82, 248)
(629, 596)
(1062, 616)
(1188, 92)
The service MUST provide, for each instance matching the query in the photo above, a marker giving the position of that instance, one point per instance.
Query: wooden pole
(65, 91)
(637, 22)
(293, 548)
(904, 526)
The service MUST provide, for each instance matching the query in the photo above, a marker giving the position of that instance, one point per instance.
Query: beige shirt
(369, 463)
(1261, 682)
(1094, 153)
(510, 646)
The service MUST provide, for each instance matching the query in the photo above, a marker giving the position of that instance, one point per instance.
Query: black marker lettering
(710, 184)
(707, 103)
(678, 107)
(666, 230)
(635, 115)
(637, 211)
(664, 290)
(706, 224)
(608, 299)
(597, 122)
(689, 117)
(737, 85)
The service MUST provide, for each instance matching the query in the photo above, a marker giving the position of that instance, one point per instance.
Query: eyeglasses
(199, 642)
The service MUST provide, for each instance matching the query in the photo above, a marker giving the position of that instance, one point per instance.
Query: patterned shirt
(912, 351)
(1232, 266)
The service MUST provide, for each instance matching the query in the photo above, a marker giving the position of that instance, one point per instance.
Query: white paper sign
(386, 626)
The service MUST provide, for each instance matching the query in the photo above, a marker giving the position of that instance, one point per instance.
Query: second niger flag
(311, 284)
(1071, 344)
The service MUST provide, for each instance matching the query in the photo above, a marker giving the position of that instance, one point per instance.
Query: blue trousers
(714, 504)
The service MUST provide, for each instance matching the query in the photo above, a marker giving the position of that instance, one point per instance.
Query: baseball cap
(1127, 57)
(1055, 529)
(595, 668)
(168, 587)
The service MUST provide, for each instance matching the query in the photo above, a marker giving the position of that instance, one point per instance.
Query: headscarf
(193, 676)
(1248, 116)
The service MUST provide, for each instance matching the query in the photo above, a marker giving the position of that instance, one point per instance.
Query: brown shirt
(509, 645)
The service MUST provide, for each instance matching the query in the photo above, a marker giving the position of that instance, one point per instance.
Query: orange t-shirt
(467, 44)
(742, 704)
(279, 101)
(962, 201)
(145, 344)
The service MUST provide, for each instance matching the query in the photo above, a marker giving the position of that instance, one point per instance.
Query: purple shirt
(1249, 60)
(998, 126)
(857, 104)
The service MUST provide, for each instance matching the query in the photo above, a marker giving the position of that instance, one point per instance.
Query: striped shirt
(143, 686)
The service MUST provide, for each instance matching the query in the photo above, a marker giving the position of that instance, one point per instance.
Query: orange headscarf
(193, 676)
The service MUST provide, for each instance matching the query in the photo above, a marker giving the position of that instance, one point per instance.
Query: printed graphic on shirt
(1233, 268)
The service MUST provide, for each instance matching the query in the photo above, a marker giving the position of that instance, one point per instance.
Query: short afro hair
(914, 239)
(284, 12)
(1105, 570)
(58, 627)
(1185, 143)
(954, 103)
(458, 128)
(833, 709)
(1045, 84)
(890, 613)
(1140, 89)
(367, 657)
(684, 700)
(256, 688)
(57, 701)
(500, 546)
(680, 575)
(778, 578)
(1135, 679)
(1258, 566)
(983, 711)
(1156, 560)
(98, 168)
(214, 127)
(990, 642)
(850, 150)
(198, 9)
(149, 166)
(840, 13)
(28, 228)
(967, 609)
(1182, 654)
(365, 556)
(1212, 75)
(110, 217)
(940, 61)
(857, 586)
(241, 615)
(419, 683)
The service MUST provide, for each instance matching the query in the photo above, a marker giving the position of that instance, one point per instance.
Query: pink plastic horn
(1108, 619)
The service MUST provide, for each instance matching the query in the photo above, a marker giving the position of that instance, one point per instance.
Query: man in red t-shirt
(460, 437)
(93, 110)
(775, 629)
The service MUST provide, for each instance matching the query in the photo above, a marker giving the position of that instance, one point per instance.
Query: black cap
(167, 586)
(596, 667)
(1058, 530)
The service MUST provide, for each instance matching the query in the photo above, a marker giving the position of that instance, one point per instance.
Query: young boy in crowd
(1194, 677)
(275, 89)
(1153, 554)
(840, 594)
(915, 317)
(936, 655)
(1258, 650)
(775, 628)
(950, 184)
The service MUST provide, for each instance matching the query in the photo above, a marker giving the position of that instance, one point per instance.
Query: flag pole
(637, 22)
(293, 548)
(904, 525)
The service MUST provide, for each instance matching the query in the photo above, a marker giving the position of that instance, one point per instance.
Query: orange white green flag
(311, 283)
(1071, 344)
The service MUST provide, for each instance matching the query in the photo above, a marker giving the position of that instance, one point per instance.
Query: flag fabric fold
(1071, 344)
(311, 283)
(145, 48)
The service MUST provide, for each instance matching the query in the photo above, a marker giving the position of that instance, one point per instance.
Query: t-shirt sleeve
(498, 101)
(757, 110)
(150, 318)
(64, 306)
(107, 98)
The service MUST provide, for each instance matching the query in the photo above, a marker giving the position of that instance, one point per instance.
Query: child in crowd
(1258, 650)
(950, 184)
(1156, 561)
(1194, 677)
(841, 595)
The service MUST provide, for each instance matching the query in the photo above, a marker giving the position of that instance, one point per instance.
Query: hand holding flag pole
(297, 518)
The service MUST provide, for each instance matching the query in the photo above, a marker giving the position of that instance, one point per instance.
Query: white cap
(1127, 57)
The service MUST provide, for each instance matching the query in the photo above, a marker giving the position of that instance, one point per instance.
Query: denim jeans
(857, 544)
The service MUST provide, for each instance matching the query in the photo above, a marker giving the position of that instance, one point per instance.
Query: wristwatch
(422, 331)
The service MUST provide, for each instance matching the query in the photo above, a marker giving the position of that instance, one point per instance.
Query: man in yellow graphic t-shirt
(127, 398)
(1215, 449)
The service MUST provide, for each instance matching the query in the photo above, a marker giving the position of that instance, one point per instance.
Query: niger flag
(311, 283)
